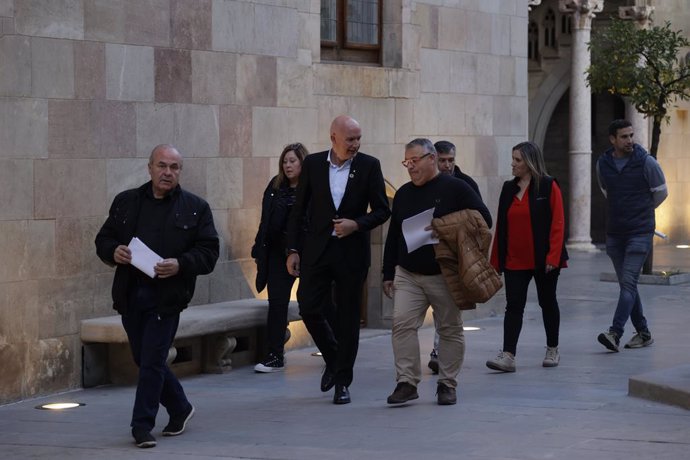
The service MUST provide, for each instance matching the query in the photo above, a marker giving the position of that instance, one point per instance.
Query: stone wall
(88, 87)
(673, 216)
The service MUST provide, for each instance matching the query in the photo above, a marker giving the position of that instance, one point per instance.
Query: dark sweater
(462, 176)
(444, 193)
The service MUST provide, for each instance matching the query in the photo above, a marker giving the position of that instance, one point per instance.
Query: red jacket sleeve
(557, 227)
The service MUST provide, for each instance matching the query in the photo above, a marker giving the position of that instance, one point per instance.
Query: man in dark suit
(342, 193)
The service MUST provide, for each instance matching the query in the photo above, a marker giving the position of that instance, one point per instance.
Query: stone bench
(210, 339)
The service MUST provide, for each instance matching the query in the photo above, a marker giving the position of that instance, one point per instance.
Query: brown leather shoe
(403, 392)
(446, 395)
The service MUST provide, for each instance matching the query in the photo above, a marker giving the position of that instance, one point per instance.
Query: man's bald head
(345, 138)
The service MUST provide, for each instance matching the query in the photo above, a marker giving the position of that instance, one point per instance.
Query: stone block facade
(89, 87)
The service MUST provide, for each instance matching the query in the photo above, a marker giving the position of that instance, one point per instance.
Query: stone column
(580, 152)
(641, 13)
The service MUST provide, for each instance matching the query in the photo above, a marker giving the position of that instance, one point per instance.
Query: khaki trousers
(412, 295)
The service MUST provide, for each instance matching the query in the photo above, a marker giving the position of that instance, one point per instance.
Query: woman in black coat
(269, 252)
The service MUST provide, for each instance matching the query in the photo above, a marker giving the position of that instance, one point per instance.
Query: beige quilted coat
(462, 253)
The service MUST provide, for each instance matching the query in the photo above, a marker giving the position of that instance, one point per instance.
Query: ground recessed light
(60, 405)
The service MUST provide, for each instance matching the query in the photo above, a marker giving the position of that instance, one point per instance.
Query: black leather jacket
(189, 236)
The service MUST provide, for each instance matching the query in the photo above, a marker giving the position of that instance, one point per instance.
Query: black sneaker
(143, 438)
(177, 424)
(433, 362)
(273, 363)
(446, 395)
(403, 392)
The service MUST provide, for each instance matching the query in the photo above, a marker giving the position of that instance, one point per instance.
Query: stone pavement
(580, 409)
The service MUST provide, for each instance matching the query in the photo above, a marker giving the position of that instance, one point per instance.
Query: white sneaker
(504, 362)
(552, 357)
(640, 340)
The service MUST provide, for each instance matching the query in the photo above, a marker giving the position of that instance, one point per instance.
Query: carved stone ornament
(583, 11)
(642, 15)
(532, 3)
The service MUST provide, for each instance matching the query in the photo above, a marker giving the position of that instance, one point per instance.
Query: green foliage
(642, 65)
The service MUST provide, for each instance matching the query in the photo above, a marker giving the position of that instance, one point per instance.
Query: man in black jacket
(446, 165)
(343, 193)
(178, 226)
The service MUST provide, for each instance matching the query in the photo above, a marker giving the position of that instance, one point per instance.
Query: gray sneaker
(610, 340)
(504, 362)
(639, 340)
(552, 357)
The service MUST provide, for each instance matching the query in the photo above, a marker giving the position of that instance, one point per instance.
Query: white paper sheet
(413, 230)
(143, 257)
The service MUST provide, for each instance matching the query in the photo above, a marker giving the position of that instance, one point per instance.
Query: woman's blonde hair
(534, 159)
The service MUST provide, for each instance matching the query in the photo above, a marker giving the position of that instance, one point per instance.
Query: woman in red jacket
(529, 243)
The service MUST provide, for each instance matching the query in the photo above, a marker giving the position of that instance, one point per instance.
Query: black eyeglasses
(413, 161)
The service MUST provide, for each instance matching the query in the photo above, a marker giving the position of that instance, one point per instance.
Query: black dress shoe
(342, 395)
(327, 380)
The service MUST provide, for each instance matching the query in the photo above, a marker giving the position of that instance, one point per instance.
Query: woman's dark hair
(300, 151)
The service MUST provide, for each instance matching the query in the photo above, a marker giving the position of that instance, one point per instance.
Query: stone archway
(547, 96)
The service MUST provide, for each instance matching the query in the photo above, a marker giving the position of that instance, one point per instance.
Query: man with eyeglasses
(414, 280)
(178, 226)
(445, 151)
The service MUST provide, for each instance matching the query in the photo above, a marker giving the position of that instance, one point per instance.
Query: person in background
(634, 185)
(446, 165)
(529, 243)
(270, 253)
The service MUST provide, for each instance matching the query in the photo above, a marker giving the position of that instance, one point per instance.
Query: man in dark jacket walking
(634, 186)
(178, 226)
(446, 165)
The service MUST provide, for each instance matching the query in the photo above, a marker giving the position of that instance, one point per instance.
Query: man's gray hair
(164, 147)
(423, 142)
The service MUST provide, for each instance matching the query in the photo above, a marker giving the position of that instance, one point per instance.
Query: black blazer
(364, 201)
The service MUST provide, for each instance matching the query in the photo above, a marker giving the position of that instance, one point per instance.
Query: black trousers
(150, 337)
(327, 284)
(279, 286)
(517, 282)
